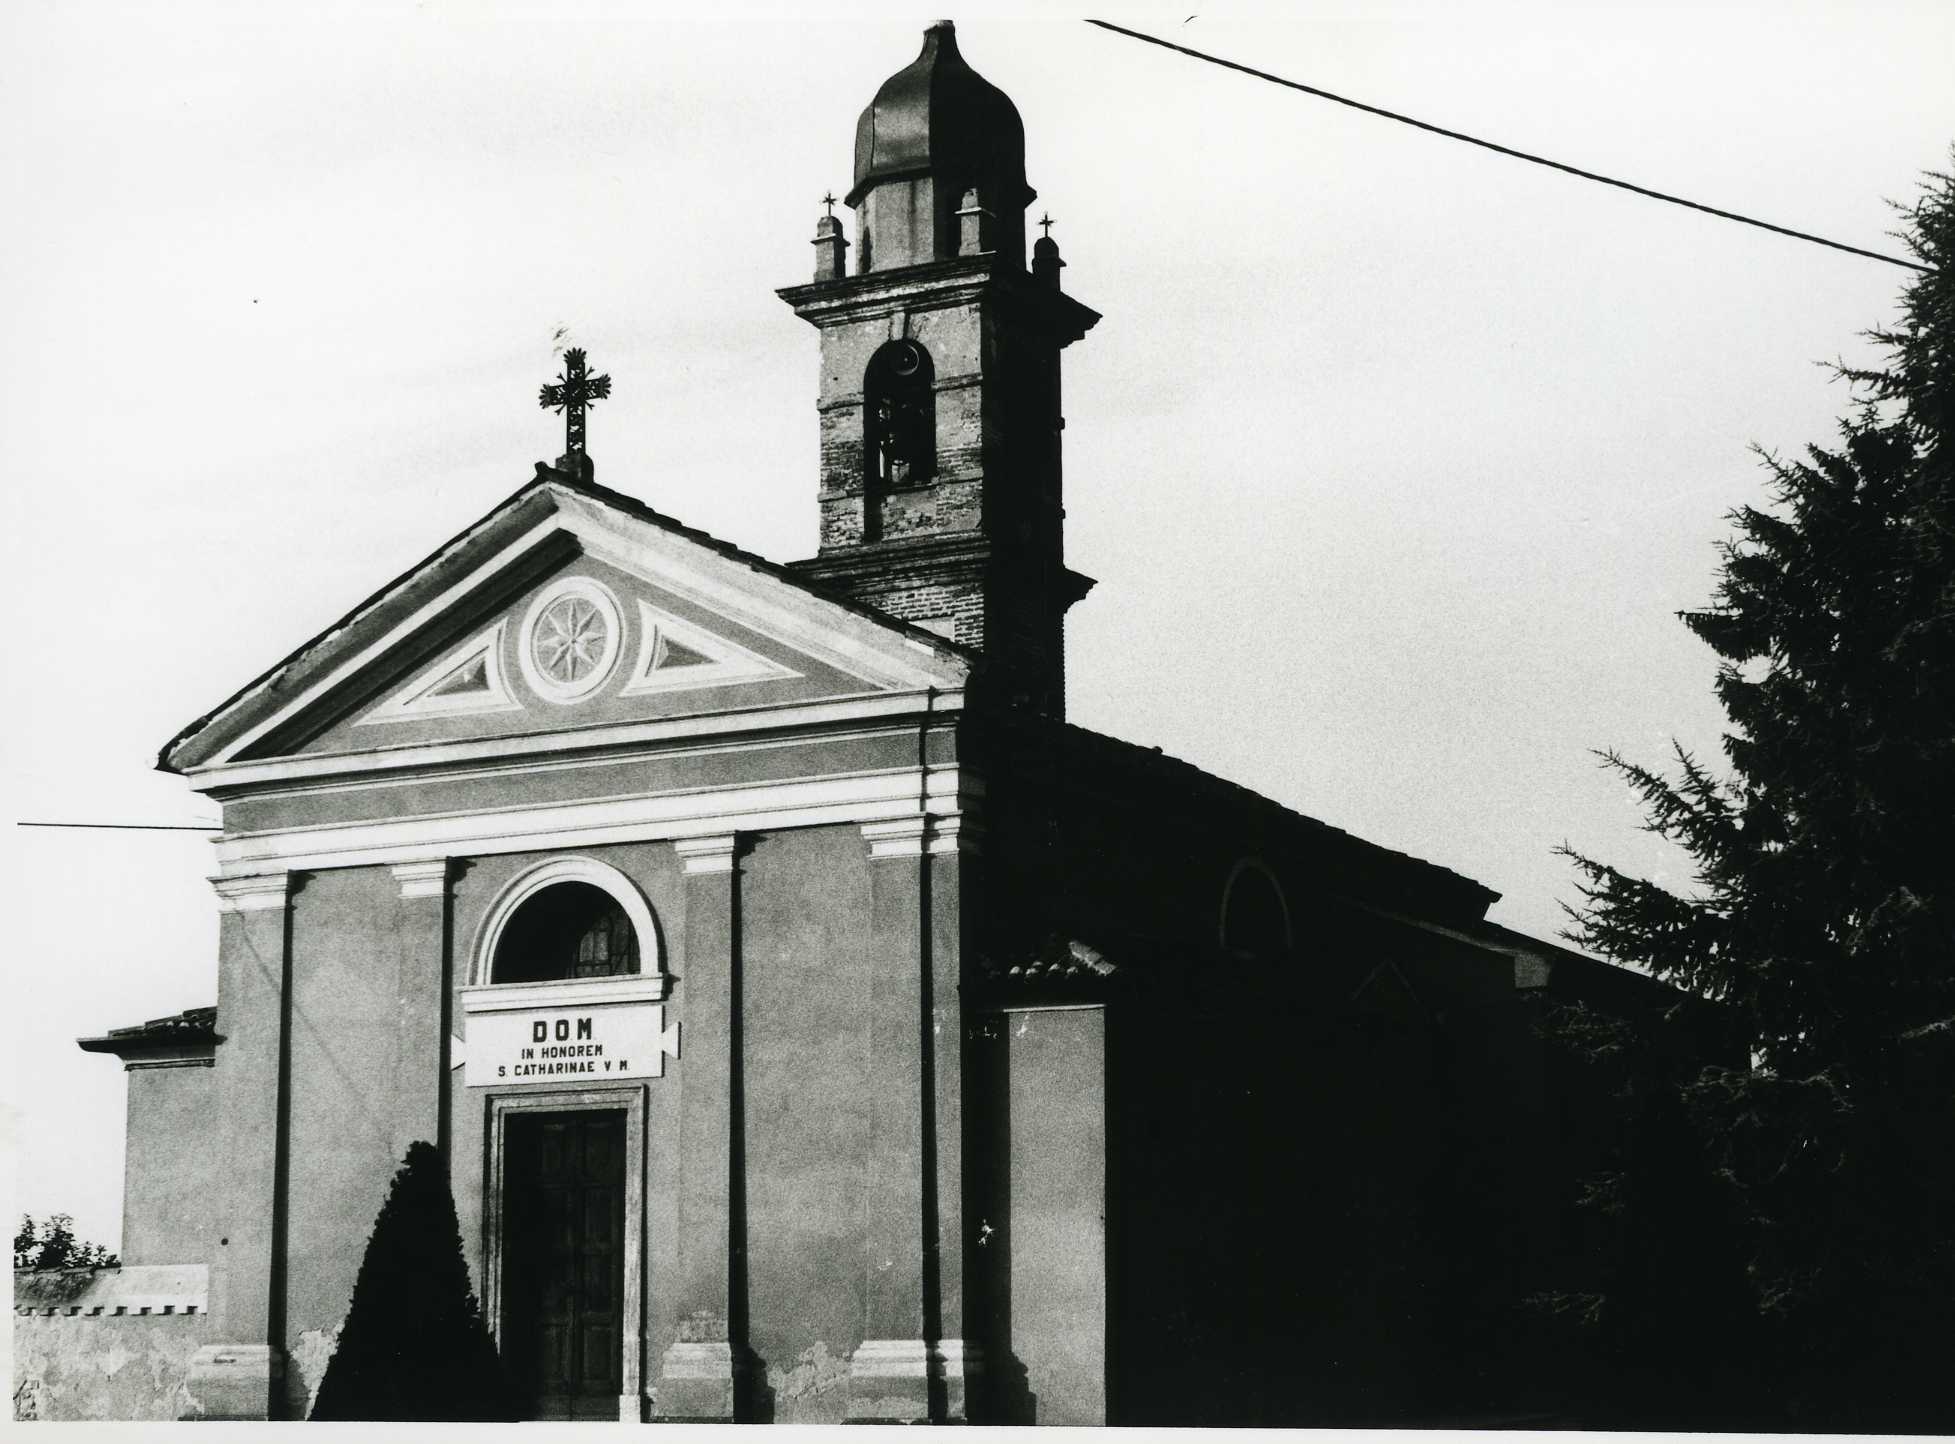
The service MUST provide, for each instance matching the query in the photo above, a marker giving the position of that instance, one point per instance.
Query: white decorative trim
(756, 599)
(589, 870)
(901, 837)
(915, 1359)
(413, 702)
(179, 1055)
(727, 663)
(601, 598)
(958, 834)
(422, 879)
(707, 854)
(891, 1359)
(571, 993)
(756, 807)
(789, 613)
(867, 706)
(738, 744)
(521, 547)
(253, 894)
(914, 836)
(698, 1359)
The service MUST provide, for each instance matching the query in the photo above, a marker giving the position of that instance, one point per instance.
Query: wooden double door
(563, 1261)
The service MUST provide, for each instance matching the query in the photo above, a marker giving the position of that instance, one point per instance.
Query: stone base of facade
(695, 1383)
(234, 1381)
(907, 1381)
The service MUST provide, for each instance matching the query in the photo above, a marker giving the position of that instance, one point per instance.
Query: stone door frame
(632, 1100)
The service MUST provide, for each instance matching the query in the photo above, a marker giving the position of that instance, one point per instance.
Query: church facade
(816, 1025)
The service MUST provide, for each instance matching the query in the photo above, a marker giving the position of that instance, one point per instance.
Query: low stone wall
(108, 1343)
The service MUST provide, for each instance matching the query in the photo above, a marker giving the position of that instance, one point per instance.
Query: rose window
(571, 639)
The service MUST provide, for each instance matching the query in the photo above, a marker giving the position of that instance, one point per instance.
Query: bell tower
(939, 398)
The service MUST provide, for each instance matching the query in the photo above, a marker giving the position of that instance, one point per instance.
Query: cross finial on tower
(1046, 222)
(829, 201)
(570, 393)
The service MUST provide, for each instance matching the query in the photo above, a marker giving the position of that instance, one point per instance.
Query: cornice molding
(755, 807)
(898, 837)
(570, 993)
(263, 893)
(422, 879)
(957, 834)
(618, 737)
(182, 1055)
(936, 285)
(708, 854)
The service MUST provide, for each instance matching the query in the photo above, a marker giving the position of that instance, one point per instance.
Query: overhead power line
(1503, 149)
(126, 826)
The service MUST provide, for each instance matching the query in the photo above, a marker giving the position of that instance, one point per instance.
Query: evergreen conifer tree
(1823, 913)
(413, 1345)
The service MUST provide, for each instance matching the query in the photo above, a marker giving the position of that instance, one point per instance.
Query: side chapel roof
(192, 1025)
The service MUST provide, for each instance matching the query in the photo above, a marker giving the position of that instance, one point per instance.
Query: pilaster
(421, 1025)
(699, 1372)
(241, 1378)
(906, 1369)
(951, 847)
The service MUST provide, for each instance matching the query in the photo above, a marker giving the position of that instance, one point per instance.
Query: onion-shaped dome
(938, 116)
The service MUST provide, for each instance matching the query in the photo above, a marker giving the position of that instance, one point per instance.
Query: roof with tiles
(192, 1025)
(1459, 896)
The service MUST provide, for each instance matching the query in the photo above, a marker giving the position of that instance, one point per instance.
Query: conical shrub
(414, 1345)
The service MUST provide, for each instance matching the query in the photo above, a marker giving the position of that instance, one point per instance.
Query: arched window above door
(568, 920)
(568, 930)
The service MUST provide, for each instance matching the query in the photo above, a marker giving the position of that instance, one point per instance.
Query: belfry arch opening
(899, 408)
(564, 931)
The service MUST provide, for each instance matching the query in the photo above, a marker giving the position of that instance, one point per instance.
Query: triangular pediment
(466, 682)
(675, 655)
(568, 607)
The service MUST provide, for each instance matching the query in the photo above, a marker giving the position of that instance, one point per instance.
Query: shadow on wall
(1294, 1244)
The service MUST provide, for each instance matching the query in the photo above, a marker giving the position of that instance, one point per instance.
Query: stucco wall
(805, 1009)
(168, 1199)
(127, 1367)
(341, 1157)
(107, 1343)
(1056, 1219)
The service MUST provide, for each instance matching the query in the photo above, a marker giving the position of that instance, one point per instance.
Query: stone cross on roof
(570, 393)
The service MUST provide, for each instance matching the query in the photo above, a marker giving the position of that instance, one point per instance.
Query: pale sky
(1393, 458)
